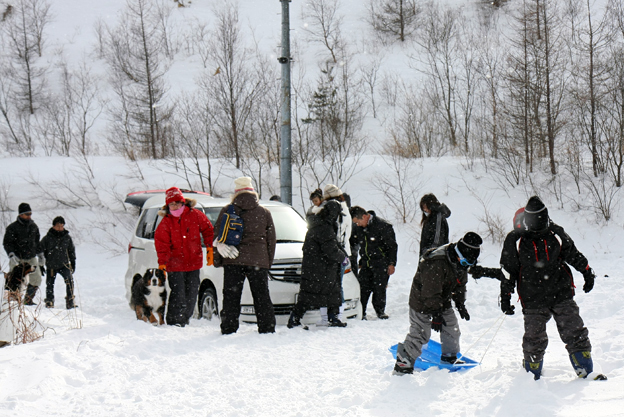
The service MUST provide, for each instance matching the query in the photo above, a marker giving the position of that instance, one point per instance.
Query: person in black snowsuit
(435, 229)
(60, 255)
(378, 257)
(21, 243)
(536, 260)
(320, 269)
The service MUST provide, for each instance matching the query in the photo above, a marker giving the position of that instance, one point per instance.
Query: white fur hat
(331, 190)
(243, 184)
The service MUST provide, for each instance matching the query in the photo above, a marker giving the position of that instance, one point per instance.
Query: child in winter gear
(535, 259)
(60, 254)
(441, 277)
(435, 229)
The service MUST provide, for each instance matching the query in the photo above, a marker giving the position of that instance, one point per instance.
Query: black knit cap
(536, 215)
(470, 246)
(58, 219)
(24, 208)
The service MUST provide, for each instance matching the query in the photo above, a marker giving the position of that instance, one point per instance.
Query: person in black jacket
(60, 255)
(535, 261)
(320, 270)
(21, 243)
(435, 229)
(378, 257)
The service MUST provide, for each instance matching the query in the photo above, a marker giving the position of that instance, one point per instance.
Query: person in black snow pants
(320, 270)
(378, 257)
(60, 255)
(435, 229)
(535, 261)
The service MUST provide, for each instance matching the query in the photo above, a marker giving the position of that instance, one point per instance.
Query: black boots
(451, 360)
(31, 290)
(69, 303)
(294, 321)
(334, 321)
(404, 363)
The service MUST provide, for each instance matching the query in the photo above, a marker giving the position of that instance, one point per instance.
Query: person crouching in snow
(535, 259)
(320, 269)
(440, 277)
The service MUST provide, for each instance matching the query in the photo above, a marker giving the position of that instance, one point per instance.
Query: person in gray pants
(441, 277)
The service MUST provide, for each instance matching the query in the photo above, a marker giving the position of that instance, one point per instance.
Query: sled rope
(495, 333)
(485, 332)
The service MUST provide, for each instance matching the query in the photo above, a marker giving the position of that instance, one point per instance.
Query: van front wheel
(208, 307)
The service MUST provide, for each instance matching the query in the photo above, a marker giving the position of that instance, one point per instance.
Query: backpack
(231, 231)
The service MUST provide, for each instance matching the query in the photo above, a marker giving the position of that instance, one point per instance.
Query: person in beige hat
(251, 259)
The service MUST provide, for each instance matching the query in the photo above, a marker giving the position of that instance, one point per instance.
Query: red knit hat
(173, 194)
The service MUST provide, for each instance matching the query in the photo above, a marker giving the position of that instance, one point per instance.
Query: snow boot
(383, 316)
(534, 367)
(323, 322)
(404, 363)
(584, 366)
(334, 321)
(451, 359)
(294, 321)
(31, 290)
(69, 303)
(49, 303)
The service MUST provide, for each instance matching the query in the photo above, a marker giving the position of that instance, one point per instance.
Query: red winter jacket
(178, 240)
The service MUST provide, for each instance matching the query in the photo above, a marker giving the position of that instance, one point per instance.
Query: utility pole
(285, 140)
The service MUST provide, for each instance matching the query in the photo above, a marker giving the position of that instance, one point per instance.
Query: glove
(162, 267)
(505, 303)
(346, 262)
(42, 269)
(589, 279)
(463, 313)
(227, 251)
(476, 271)
(73, 267)
(437, 322)
(210, 256)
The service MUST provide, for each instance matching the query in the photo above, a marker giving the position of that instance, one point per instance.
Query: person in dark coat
(435, 229)
(320, 270)
(441, 277)
(378, 257)
(60, 255)
(21, 243)
(178, 241)
(251, 259)
(536, 260)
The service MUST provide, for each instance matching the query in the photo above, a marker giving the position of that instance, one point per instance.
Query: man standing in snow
(378, 257)
(21, 243)
(60, 255)
(440, 277)
(535, 260)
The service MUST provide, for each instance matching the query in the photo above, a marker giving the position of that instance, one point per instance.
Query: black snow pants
(373, 280)
(233, 281)
(51, 277)
(569, 323)
(183, 296)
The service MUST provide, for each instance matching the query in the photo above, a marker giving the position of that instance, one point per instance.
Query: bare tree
(323, 25)
(394, 18)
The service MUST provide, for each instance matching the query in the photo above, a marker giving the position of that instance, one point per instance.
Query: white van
(284, 275)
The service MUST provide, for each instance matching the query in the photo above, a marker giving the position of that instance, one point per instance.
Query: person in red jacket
(178, 246)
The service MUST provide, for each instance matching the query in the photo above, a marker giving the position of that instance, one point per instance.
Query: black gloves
(42, 268)
(589, 279)
(73, 267)
(463, 313)
(505, 303)
(477, 271)
(437, 322)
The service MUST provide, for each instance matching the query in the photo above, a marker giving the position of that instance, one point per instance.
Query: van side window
(147, 225)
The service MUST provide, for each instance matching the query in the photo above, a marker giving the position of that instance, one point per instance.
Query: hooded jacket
(22, 239)
(322, 256)
(178, 240)
(435, 230)
(438, 279)
(58, 249)
(257, 246)
(378, 246)
(537, 264)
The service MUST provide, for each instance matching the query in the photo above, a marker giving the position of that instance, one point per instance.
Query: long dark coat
(58, 249)
(438, 280)
(322, 256)
(22, 239)
(435, 230)
(537, 263)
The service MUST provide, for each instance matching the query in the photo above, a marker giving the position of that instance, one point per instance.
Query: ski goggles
(462, 260)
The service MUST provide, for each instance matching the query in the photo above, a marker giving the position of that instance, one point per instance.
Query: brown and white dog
(149, 296)
(16, 281)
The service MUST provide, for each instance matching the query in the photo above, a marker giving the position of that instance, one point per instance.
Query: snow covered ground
(116, 365)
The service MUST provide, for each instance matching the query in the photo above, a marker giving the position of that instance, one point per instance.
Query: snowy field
(116, 365)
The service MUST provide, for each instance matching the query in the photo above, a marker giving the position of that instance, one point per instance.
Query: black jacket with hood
(378, 246)
(22, 239)
(435, 229)
(58, 249)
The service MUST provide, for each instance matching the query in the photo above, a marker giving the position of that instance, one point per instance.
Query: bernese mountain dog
(149, 296)
(16, 281)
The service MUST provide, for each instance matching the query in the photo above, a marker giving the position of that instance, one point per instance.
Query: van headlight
(351, 304)
(248, 310)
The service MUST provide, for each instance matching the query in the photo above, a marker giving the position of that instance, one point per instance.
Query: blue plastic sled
(430, 357)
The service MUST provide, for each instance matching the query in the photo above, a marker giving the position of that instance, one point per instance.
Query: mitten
(42, 269)
(209, 256)
(476, 271)
(226, 251)
(463, 313)
(505, 303)
(589, 279)
(437, 322)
